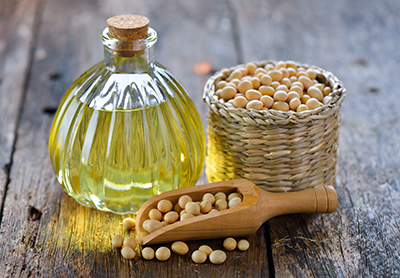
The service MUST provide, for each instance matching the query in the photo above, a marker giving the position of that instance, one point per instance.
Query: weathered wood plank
(356, 41)
(16, 28)
(46, 233)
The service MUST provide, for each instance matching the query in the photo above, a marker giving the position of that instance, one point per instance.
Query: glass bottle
(126, 130)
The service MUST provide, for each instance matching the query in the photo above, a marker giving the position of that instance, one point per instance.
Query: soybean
(117, 241)
(266, 80)
(221, 84)
(155, 214)
(294, 103)
(244, 86)
(305, 98)
(186, 216)
(210, 197)
(311, 74)
(180, 248)
(327, 91)
(301, 108)
(292, 71)
(221, 204)
(320, 86)
(199, 257)
(282, 88)
(292, 95)
(266, 90)
(171, 217)
(260, 70)
(269, 67)
(276, 75)
(286, 81)
(256, 82)
(275, 84)
(128, 253)
(148, 253)
(153, 225)
(281, 105)
(315, 92)
(234, 202)
(243, 245)
(280, 96)
(235, 81)
(220, 195)
(129, 223)
(253, 94)
(205, 206)
(145, 223)
(217, 257)
(183, 200)
(313, 103)
(280, 64)
(235, 74)
(306, 81)
(297, 90)
(130, 242)
(230, 244)
(297, 83)
(192, 208)
(254, 104)
(285, 73)
(228, 93)
(163, 253)
(164, 206)
(251, 68)
(177, 208)
(206, 249)
(233, 195)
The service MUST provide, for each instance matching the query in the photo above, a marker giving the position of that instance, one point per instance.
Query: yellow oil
(116, 160)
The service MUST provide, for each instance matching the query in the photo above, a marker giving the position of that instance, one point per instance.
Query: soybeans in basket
(283, 86)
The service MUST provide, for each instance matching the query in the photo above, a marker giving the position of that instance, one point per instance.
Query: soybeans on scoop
(244, 219)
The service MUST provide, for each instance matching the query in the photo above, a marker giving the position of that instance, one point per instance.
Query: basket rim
(270, 116)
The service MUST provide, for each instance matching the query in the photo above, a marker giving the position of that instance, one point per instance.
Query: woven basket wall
(278, 151)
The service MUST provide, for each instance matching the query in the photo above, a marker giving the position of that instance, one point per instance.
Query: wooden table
(45, 45)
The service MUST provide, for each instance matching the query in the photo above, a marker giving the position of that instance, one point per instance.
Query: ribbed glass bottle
(125, 131)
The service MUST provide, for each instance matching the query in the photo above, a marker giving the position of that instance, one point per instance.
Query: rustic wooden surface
(45, 45)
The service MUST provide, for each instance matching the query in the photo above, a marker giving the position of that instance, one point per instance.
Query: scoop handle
(322, 199)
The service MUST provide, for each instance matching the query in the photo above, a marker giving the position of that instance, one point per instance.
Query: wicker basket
(278, 151)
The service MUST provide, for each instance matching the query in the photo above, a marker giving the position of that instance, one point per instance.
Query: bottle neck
(134, 64)
(129, 56)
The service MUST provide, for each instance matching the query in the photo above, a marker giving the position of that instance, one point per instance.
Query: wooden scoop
(244, 219)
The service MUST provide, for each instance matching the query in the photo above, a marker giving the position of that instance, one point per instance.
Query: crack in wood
(283, 242)
(235, 32)
(49, 110)
(7, 170)
(268, 244)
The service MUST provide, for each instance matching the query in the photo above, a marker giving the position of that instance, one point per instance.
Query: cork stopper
(128, 27)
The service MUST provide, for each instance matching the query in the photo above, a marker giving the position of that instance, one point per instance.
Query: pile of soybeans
(283, 86)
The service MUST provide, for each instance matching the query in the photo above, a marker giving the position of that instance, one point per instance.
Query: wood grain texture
(356, 41)
(17, 26)
(45, 233)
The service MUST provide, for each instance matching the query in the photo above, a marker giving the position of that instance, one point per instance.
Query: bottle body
(119, 138)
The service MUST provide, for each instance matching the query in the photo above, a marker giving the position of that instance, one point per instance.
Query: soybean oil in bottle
(126, 129)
